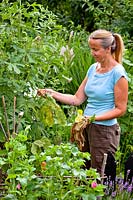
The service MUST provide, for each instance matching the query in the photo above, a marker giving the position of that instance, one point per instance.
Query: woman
(105, 88)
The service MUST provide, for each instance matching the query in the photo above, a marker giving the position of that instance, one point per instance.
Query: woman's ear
(108, 49)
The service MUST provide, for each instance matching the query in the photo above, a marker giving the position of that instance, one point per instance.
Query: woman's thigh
(102, 139)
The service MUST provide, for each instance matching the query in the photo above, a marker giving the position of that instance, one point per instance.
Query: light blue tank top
(100, 92)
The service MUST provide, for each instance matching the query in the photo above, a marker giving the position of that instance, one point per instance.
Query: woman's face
(98, 52)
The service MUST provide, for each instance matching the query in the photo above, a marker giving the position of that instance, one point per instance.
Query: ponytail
(118, 52)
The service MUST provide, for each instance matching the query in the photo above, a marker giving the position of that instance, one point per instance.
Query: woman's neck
(106, 66)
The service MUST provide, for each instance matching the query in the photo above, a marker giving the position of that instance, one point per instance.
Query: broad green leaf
(51, 113)
(10, 197)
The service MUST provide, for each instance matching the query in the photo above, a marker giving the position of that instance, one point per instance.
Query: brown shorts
(100, 139)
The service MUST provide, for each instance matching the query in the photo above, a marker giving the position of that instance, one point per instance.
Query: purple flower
(121, 187)
(106, 192)
(113, 194)
(125, 185)
(110, 184)
(99, 198)
(120, 180)
(130, 188)
(128, 172)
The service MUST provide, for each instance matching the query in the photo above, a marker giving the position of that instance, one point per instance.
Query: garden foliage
(37, 52)
(55, 172)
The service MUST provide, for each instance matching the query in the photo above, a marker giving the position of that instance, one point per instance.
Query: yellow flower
(79, 115)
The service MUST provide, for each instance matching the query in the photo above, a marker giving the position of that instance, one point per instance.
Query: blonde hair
(109, 39)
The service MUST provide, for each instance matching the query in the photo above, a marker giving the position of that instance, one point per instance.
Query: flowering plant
(124, 190)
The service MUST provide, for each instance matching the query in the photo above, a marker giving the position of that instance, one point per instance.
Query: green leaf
(11, 176)
(3, 152)
(23, 181)
(89, 197)
(51, 113)
(92, 119)
(10, 196)
(2, 161)
(39, 143)
(34, 148)
(16, 70)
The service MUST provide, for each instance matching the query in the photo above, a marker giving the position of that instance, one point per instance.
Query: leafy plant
(52, 173)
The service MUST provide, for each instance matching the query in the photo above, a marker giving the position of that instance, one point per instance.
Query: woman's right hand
(43, 92)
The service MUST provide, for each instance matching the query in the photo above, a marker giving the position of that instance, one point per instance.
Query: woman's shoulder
(119, 68)
(119, 71)
(92, 68)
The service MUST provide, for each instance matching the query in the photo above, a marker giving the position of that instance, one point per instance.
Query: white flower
(71, 33)
(67, 53)
(63, 49)
(21, 114)
(71, 52)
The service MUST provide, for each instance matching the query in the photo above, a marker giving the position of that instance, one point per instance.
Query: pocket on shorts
(114, 137)
(100, 137)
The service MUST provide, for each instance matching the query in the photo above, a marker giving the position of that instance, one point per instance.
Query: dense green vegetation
(44, 44)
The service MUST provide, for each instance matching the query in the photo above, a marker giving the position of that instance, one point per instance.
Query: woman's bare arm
(78, 98)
